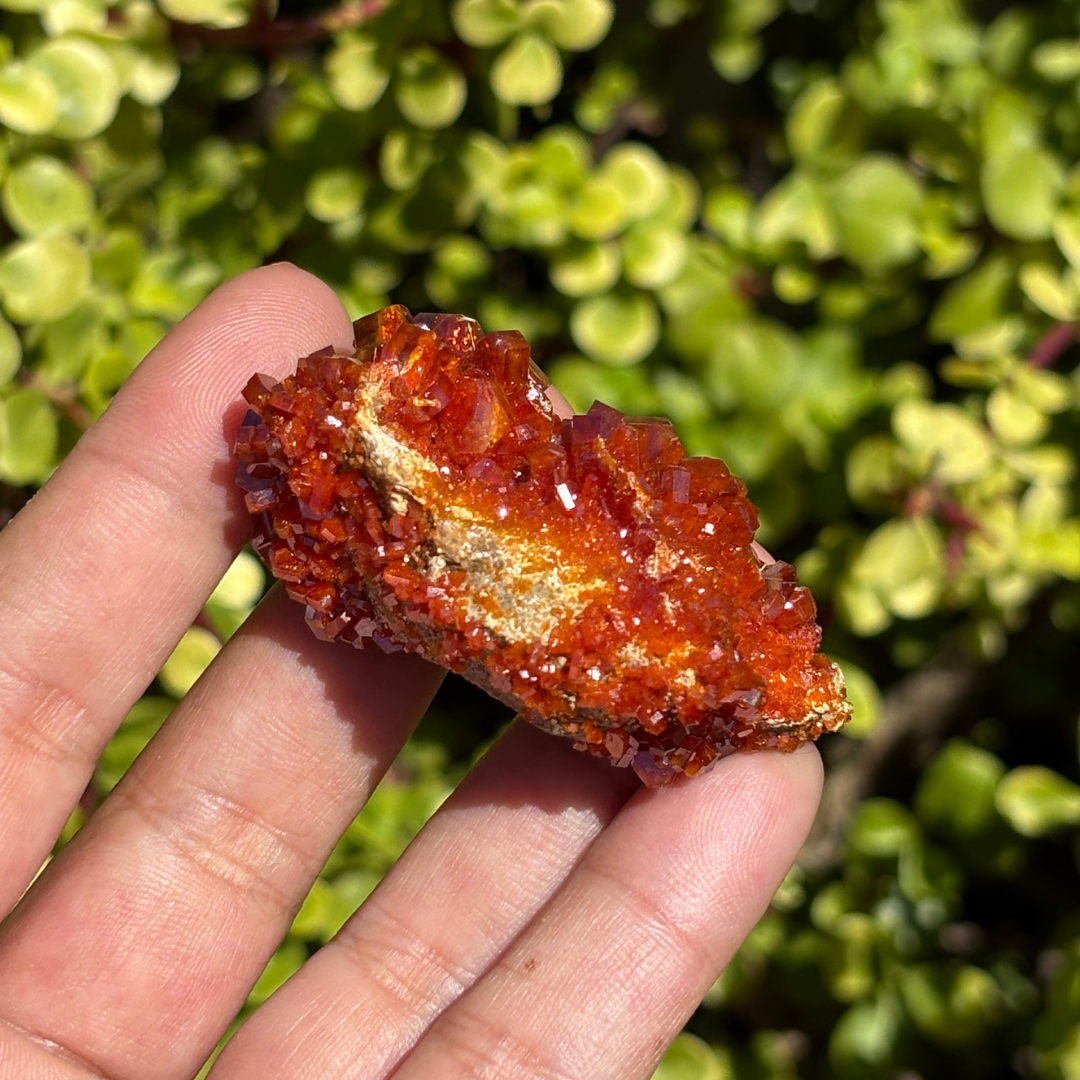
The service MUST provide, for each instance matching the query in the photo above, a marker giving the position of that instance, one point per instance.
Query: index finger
(103, 571)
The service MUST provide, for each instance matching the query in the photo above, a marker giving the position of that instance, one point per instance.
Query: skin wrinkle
(59, 1060)
(199, 828)
(506, 802)
(480, 1048)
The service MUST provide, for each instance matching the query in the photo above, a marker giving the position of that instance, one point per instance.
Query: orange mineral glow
(419, 490)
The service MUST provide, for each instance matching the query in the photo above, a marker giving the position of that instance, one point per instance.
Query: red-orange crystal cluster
(421, 491)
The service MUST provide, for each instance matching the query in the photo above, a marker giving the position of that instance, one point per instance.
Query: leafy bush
(837, 242)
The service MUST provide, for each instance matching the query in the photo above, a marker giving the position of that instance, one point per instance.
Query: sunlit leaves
(1036, 800)
(527, 72)
(42, 195)
(28, 437)
(899, 572)
(482, 23)
(429, 90)
(356, 73)
(574, 25)
(586, 269)
(957, 791)
(10, 351)
(29, 99)
(86, 85)
(1021, 188)
(944, 441)
(617, 328)
(335, 194)
(191, 657)
(218, 13)
(43, 278)
(691, 1058)
(876, 204)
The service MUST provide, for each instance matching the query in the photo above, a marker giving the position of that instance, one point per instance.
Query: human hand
(552, 920)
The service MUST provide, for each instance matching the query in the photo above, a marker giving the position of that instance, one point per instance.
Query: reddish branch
(272, 35)
(1049, 348)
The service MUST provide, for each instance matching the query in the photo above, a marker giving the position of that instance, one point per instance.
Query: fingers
(479, 871)
(140, 942)
(608, 973)
(105, 568)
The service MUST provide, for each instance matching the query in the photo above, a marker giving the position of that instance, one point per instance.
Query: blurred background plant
(837, 241)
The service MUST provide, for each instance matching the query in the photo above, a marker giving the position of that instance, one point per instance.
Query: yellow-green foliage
(837, 241)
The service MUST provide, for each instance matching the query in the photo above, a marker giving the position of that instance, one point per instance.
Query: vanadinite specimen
(421, 491)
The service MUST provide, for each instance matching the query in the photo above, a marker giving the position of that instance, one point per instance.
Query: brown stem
(916, 710)
(272, 35)
(1052, 344)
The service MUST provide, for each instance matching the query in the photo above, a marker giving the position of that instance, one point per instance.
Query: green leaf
(221, 14)
(882, 829)
(639, 175)
(727, 214)
(864, 1039)
(1048, 290)
(28, 438)
(956, 792)
(169, 283)
(404, 157)
(974, 301)
(86, 82)
(586, 270)
(483, 23)
(1009, 123)
(1015, 420)
(575, 25)
(29, 99)
(242, 584)
(429, 90)
(736, 58)
(876, 204)
(597, 210)
(865, 698)
(944, 441)
(288, 959)
(616, 329)
(903, 562)
(335, 194)
(954, 1005)
(796, 210)
(356, 73)
(1067, 235)
(1057, 60)
(653, 254)
(156, 71)
(527, 72)
(813, 118)
(10, 352)
(43, 278)
(42, 195)
(691, 1058)
(1021, 189)
(1036, 800)
(191, 657)
(584, 381)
